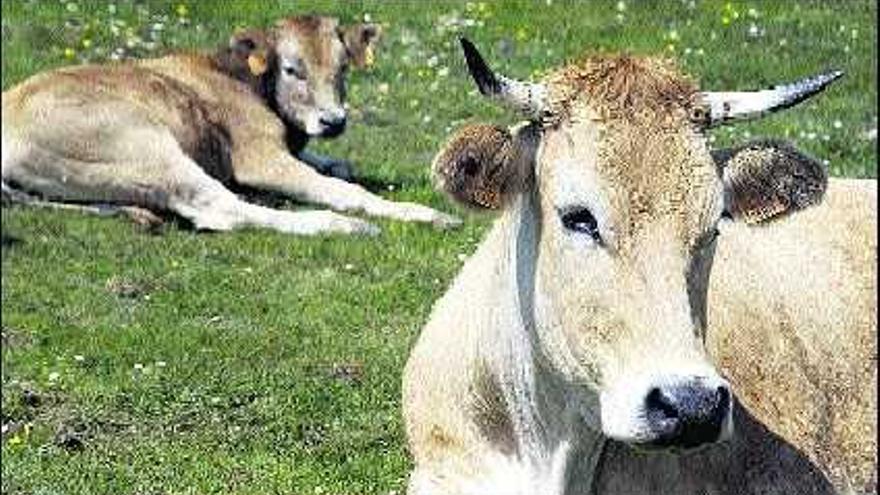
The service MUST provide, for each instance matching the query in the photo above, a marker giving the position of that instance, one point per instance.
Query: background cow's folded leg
(138, 215)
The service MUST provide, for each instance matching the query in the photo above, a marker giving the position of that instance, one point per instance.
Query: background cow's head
(300, 66)
(627, 198)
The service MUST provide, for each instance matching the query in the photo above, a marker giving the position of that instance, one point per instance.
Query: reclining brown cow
(171, 134)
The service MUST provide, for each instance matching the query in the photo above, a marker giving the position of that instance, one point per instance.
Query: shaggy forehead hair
(638, 89)
(312, 33)
(649, 153)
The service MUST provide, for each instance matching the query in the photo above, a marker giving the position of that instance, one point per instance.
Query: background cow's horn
(731, 106)
(527, 98)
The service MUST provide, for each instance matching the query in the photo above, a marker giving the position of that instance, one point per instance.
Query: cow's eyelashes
(580, 220)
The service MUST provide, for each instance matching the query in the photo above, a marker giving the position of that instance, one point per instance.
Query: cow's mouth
(333, 129)
(683, 437)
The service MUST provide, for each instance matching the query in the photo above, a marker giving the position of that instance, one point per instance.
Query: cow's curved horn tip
(479, 70)
(466, 44)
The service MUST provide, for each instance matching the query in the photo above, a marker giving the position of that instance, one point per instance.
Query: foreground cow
(569, 355)
(172, 133)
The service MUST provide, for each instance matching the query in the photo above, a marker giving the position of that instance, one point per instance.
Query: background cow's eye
(295, 70)
(582, 221)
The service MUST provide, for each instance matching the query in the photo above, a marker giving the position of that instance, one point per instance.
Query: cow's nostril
(687, 414)
(333, 126)
(660, 406)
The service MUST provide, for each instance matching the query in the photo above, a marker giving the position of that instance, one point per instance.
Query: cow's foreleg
(210, 205)
(283, 173)
(341, 169)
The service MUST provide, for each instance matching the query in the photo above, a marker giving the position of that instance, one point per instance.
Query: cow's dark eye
(582, 221)
(294, 70)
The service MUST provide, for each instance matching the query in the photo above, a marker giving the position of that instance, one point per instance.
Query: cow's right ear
(251, 51)
(482, 166)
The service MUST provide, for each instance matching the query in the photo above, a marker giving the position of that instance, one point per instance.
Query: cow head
(627, 198)
(300, 65)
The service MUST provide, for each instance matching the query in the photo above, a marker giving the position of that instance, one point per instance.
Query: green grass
(255, 362)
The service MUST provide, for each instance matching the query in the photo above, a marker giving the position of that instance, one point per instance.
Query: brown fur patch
(489, 409)
(306, 25)
(634, 88)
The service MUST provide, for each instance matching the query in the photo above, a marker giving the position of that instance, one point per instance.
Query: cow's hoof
(443, 221)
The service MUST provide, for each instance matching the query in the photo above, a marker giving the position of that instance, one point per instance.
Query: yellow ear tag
(257, 64)
(369, 57)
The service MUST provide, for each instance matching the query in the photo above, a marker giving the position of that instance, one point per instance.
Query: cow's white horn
(530, 99)
(729, 106)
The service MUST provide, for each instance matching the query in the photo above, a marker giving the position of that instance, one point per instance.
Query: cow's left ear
(765, 180)
(360, 39)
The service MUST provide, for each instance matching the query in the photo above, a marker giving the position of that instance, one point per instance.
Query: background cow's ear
(768, 179)
(250, 53)
(483, 165)
(360, 40)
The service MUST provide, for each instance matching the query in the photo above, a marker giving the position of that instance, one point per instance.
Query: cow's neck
(549, 431)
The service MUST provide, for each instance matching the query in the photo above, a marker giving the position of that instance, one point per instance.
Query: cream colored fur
(815, 366)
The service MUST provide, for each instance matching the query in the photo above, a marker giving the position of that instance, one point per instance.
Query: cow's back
(792, 323)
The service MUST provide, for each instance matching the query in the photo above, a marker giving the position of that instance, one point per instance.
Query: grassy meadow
(176, 362)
